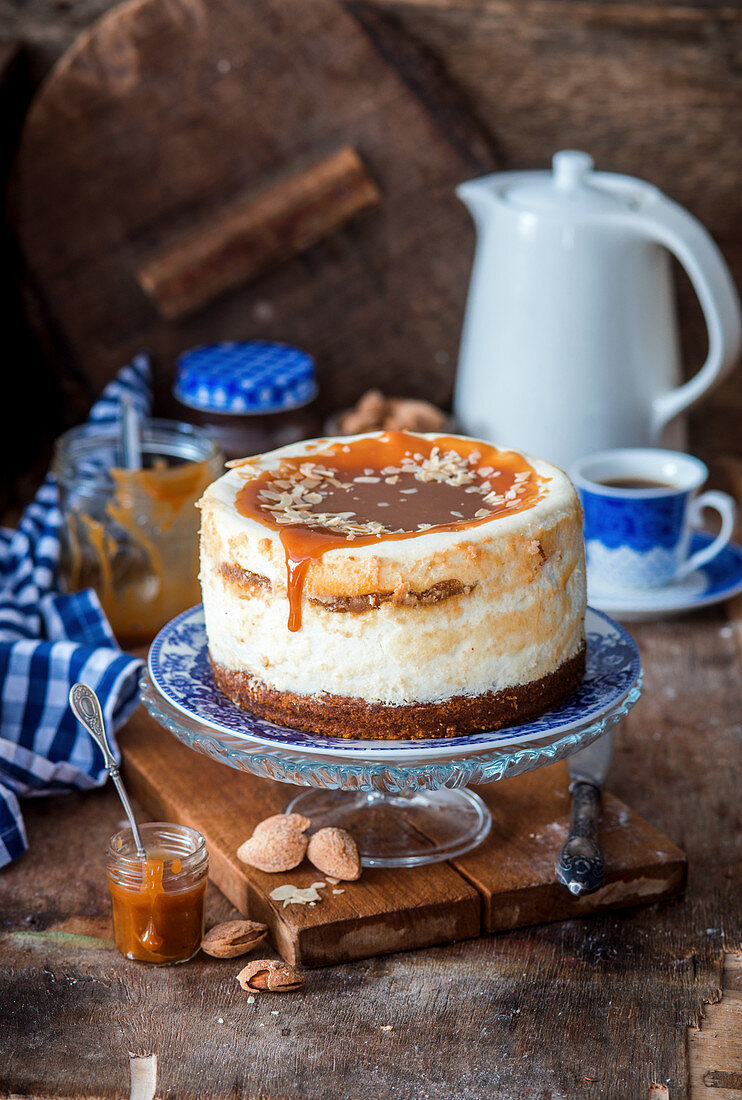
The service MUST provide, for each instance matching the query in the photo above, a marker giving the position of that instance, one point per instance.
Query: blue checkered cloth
(48, 641)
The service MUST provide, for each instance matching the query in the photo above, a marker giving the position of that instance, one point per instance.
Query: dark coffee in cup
(635, 483)
(641, 506)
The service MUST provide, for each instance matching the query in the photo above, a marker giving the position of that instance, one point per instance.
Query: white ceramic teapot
(570, 341)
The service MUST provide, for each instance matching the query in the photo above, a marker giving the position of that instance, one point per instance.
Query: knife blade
(580, 863)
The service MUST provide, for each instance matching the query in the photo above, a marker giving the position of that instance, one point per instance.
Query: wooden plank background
(588, 1008)
(652, 89)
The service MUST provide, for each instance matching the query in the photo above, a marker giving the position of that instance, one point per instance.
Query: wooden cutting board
(508, 882)
(176, 184)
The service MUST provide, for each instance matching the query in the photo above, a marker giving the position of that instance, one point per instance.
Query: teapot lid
(571, 188)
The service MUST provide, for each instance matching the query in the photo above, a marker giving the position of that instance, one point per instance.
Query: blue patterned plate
(719, 579)
(180, 671)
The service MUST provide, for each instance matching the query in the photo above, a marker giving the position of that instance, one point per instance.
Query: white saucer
(717, 581)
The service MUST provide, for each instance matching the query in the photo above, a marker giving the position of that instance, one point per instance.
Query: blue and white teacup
(641, 508)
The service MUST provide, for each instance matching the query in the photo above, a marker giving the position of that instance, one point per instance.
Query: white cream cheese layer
(520, 618)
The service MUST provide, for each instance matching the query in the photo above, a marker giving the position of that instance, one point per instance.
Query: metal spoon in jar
(87, 709)
(131, 435)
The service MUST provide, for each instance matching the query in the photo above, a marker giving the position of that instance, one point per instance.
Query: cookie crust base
(339, 716)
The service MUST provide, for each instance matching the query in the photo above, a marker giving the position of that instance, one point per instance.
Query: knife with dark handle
(580, 864)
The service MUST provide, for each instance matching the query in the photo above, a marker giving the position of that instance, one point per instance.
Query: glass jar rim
(160, 437)
(189, 859)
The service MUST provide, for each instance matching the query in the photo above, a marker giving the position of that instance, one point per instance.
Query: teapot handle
(684, 236)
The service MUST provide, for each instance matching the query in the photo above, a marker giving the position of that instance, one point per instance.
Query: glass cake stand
(405, 802)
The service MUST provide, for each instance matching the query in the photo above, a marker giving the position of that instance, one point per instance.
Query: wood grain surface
(166, 114)
(653, 89)
(257, 234)
(507, 882)
(715, 1046)
(385, 911)
(596, 1007)
(513, 870)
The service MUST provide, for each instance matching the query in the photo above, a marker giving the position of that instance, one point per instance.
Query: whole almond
(274, 850)
(297, 822)
(334, 852)
(268, 974)
(233, 937)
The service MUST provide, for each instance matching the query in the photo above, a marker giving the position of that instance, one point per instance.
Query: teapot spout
(478, 196)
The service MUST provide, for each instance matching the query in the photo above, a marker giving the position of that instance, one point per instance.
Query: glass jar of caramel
(251, 396)
(158, 902)
(132, 535)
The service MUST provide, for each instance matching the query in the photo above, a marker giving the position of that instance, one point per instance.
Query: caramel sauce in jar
(132, 535)
(395, 485)
(158, 902)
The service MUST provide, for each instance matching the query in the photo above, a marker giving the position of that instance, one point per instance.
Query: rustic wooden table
(599, 1007)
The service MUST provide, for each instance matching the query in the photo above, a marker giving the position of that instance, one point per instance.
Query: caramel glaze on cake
(394, 585)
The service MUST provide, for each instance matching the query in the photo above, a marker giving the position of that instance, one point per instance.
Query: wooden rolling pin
(252, 237)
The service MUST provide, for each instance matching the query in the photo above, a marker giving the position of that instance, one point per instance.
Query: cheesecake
(394, 585)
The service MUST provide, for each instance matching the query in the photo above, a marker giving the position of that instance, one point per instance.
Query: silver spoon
(131, 435)
(87, 709)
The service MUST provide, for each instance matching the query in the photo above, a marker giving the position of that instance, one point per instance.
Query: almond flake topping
(282, 892)
(293, 895)
(293, 494)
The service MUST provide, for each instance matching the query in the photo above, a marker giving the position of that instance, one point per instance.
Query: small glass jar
(132, 535)
(251, 396)
(158, 903)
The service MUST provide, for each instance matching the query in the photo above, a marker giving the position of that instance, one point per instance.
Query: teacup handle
(727, 509)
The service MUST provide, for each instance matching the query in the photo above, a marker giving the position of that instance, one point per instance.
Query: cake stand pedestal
(402, 813)
(399, 830)
(405, 803)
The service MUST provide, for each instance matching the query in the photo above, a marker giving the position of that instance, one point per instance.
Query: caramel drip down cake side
(394, 585)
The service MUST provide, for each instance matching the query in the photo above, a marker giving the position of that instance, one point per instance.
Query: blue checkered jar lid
(247, 377)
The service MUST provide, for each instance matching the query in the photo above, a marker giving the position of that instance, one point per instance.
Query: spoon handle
(131, 435)
(114, 774)
(87, 709)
